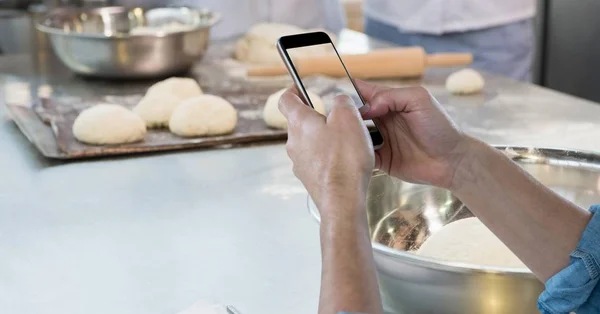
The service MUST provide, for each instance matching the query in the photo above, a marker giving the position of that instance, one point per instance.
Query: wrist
(338, 184)
(343, 212)
(344, 227)
(344, 196)
(465, 172)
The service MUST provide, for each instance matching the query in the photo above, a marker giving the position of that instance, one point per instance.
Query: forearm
(348, 279)
(539, 226)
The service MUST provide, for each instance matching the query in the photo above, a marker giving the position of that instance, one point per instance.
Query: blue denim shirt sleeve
(575, 288)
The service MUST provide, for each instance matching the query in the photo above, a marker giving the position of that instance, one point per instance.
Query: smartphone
(290, 44)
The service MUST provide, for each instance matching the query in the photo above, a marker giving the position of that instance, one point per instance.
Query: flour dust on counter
(206, 307)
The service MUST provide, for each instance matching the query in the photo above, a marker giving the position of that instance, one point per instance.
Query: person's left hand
(333, 155)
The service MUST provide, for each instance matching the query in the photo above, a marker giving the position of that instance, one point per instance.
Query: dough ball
(180, 87)
(275, 119)
(16, 93)
(259, 45)
(108, 124)
(44, 91)
(469, 241)
(167, 28)
(203, 116)
(466, 81)
(156, 109)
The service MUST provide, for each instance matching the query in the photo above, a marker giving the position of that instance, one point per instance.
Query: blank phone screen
(324, 49)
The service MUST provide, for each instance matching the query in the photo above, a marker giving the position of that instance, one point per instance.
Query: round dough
(469, 241)
(202, 116)
(466, 81)
(180, 87)
(167, 28)
(259, 45)
(275, 119)
(156, 109)
(108, 124)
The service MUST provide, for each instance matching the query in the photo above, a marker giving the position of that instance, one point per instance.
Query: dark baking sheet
(48, 122)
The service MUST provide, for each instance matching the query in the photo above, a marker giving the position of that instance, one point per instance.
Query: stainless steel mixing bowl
(100, 42)
(402, 215)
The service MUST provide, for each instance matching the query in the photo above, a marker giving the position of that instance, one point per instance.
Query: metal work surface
(154, 233)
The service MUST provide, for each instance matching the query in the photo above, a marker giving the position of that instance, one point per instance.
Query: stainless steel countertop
(154, 233)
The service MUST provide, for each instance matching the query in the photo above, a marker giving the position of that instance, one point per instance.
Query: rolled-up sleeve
(575, 288)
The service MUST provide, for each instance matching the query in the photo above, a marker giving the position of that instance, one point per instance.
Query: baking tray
(47, 123)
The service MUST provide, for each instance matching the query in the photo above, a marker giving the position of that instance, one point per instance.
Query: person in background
(499, 33)
(333, 157)
(238, 16)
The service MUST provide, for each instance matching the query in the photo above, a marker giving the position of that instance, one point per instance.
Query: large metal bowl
(101, 42)
(402, 215)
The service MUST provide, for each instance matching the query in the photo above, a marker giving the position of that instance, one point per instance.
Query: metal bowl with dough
(119, 42)
(402, 215)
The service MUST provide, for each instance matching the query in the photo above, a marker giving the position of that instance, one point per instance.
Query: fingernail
(364, 109)
(346, 98)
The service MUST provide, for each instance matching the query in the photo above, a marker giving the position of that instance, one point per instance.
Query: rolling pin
(383, 63)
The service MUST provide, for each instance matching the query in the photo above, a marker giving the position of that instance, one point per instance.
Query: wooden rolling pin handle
(267, 70)
(383, 63)
(449, 59)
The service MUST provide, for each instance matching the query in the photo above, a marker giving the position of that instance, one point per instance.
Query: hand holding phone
(289, 45)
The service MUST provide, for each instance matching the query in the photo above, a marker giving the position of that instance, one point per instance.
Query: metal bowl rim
(435, 263)
(214, 19)
(454, 266)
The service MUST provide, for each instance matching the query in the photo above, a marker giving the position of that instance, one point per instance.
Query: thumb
(343, 109)
(345, 118)
(294, 109)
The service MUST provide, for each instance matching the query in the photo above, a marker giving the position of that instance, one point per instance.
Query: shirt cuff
(573, 288)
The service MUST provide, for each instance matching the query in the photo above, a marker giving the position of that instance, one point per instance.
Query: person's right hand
(421, 143)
